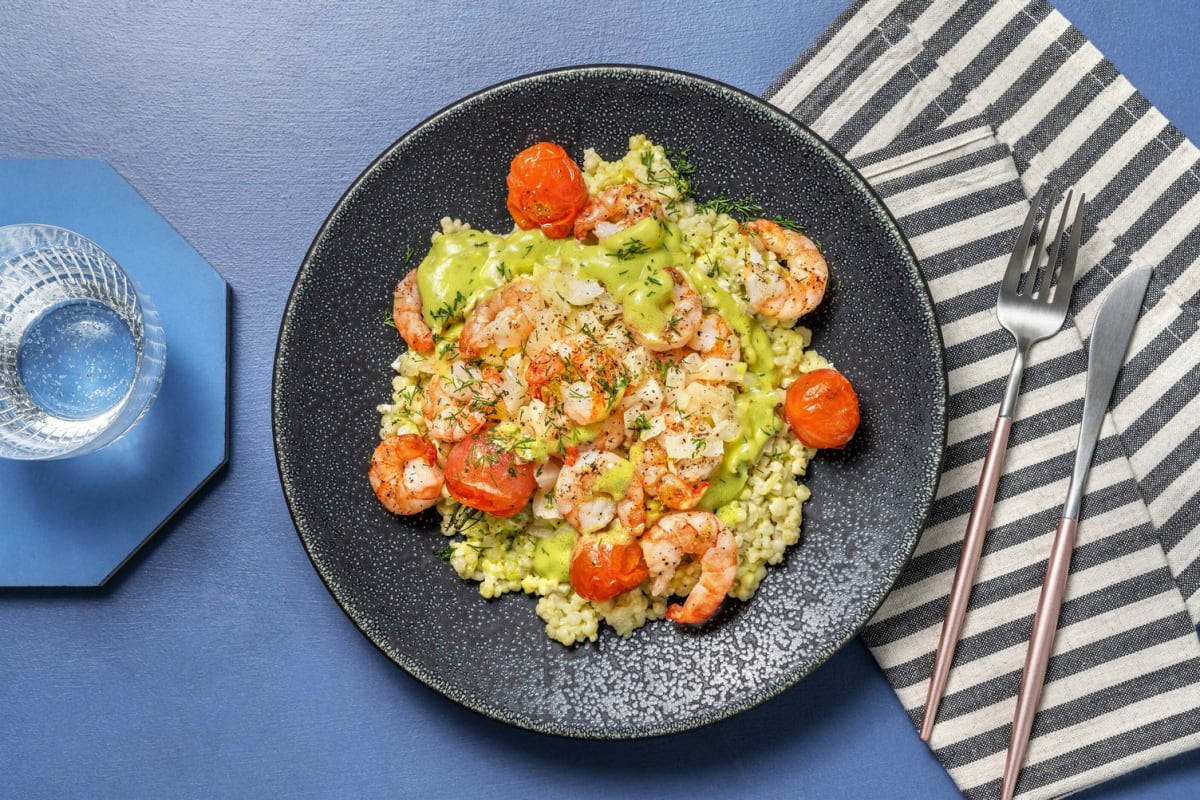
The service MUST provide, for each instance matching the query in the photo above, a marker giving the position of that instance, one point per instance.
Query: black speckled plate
(869, 502)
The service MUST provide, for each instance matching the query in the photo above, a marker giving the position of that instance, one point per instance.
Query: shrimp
(679, 495)
(404, 473)
(590, 505)
(612, 435)
(676, 463)
(661, 478)
(687, 311)
(408, 317)
(460, 402)
(588, 379)
(546, 474)
(642, 401)
(714, 354)
(716, 339)
(695, 533)
(787, 293)
(502, 322)
(615, 209)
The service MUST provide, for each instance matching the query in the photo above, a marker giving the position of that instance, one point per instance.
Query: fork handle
(964, 576)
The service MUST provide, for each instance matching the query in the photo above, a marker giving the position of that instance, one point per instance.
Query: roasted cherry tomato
(604, 565)
(545, 190)
(481, 474)
(822, 408)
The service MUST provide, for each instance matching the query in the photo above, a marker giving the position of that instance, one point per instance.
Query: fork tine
(1035, 271)
(1016, 262)
(1066, 276)
(1052, 264)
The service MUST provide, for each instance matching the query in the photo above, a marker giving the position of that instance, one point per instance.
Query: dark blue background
(216, 664)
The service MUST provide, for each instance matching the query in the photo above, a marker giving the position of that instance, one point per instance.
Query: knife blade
(1111, 333)
(1106, 352)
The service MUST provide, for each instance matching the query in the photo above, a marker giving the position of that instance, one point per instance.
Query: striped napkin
(956, 111)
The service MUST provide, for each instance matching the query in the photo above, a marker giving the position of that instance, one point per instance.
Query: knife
(1106, 351)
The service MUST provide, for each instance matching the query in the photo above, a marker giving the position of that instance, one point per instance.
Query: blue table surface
(216, 664)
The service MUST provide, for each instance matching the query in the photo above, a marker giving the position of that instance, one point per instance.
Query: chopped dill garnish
(448, 311)
(630, 249)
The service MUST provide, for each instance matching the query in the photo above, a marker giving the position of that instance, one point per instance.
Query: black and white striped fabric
(956, 111)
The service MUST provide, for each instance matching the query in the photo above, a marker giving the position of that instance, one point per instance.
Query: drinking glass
(81, 347)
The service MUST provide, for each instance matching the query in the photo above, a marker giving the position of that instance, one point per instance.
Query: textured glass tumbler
(81, 348)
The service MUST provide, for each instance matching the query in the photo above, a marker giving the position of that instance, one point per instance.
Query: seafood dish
(611, 405)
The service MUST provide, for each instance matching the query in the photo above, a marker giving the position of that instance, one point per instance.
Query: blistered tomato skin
(482, 475)
(822, 408)
(602, 568)
(546, 190)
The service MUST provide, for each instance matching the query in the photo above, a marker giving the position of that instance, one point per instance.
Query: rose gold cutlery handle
(964, 576)
(1031, 312)
(1041, 642)
(1106, 351)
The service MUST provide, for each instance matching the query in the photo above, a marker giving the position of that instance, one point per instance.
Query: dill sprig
(684, 171)
(682, 176)
(679, 174)
(790, 224)
(744, 209)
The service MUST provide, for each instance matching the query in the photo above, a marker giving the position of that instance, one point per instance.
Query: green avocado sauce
(463, 267)
(615, 481)
(755, 405)
(552, 555)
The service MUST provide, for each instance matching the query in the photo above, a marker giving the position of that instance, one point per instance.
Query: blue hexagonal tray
(75, 522)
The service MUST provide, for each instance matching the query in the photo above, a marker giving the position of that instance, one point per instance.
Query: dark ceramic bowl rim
(911, 535)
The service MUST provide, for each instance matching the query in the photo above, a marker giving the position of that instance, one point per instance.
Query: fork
(1031, 310)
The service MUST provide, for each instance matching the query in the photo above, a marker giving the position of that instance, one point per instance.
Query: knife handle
(1041, 643)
